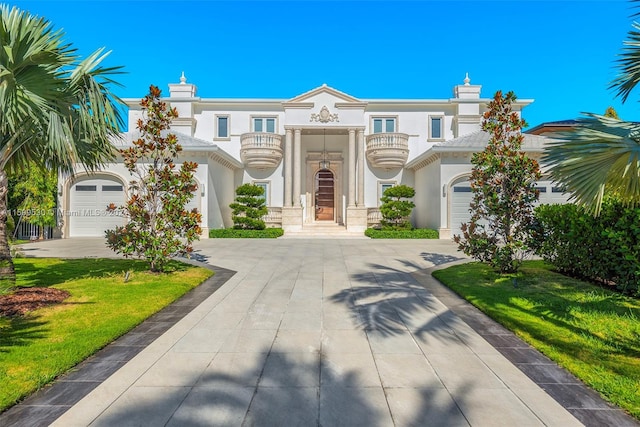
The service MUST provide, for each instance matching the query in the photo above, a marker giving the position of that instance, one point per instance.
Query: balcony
(261, 150)
(388, 150)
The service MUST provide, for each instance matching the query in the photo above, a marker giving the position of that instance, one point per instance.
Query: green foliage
(503, 184)
(234, 233)
(605, 248)
(601, 157)
(37, 348)
(590, 331)
(395, 208)
(158, 226)
(416, 233)
(249, 208)
(56, 109)
(32, 196)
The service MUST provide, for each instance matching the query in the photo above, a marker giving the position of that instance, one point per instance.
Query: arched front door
(324, 195)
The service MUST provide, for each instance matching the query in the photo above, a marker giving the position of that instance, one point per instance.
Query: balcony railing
(388, 150)
(374, 216)
(261, 150)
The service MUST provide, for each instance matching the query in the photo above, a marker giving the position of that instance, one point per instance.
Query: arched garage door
(88, 201)
(461, 197)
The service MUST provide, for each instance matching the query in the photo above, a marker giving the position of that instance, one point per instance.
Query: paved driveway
(315, 332)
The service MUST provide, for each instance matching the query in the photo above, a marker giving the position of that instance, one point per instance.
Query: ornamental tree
(503, 185)
(249, 208)
(396, 208)
(158, 226)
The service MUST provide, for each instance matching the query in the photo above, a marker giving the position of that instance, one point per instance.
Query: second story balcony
(388, 150)
(261, 150)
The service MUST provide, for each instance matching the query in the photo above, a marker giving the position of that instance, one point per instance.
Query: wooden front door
(324, 195)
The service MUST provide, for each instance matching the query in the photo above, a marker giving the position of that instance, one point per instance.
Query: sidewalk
(325, 332)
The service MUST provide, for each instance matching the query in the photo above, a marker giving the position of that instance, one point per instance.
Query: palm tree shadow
(439, 259)
(274, 389)
(389, 302)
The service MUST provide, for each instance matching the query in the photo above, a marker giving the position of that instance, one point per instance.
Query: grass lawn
(592, 332)
(38, 347)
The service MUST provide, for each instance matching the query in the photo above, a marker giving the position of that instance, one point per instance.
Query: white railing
(260, 140)
(374, 216)
(273, 218)
(25, 231)
(388, 140)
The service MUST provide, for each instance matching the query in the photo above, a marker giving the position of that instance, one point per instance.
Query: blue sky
(559, 53)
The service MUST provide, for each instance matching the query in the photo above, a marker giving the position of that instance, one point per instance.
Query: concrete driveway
(319, 332)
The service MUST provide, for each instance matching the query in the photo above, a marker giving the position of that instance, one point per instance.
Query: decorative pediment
(324, 116)
(324, 93)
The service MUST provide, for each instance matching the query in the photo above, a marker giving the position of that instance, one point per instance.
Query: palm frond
(601, 156)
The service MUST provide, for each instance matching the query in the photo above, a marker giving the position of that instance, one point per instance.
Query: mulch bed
(24, 300)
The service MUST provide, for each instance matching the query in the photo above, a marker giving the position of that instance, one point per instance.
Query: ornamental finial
(466, 79)
(183, 79)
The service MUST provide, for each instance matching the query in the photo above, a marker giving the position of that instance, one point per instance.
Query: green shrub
(234, 233)
(416, 233)
(248, 208)
(605, 248)
(395, 208)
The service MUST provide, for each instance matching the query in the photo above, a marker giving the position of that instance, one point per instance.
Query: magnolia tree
(158, 226)
(503, 185)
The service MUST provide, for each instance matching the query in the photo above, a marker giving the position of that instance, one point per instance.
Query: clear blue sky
(560, 53)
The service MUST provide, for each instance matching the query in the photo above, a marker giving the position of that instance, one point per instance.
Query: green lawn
(592, 332)
(36, 348)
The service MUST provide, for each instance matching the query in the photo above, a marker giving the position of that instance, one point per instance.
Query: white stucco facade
(323, 157)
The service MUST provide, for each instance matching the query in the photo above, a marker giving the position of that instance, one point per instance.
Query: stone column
(360, 135)
(352, 169)
(296, 166)
(288, 157)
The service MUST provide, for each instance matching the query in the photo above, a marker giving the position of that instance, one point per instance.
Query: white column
(360, 135)
(288, 157)
(296, 166)
(352, 169)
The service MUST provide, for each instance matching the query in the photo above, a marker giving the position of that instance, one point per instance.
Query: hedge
(232, 233)
(604, 249)
(416, 233)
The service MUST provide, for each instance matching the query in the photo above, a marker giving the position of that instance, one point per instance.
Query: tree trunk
(7, 271)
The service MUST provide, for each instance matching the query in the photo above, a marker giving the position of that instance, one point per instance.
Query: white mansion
(324, 159)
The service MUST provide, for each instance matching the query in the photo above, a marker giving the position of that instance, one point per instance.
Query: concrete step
(323, 231)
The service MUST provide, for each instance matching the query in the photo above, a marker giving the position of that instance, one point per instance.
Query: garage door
(88, 201)
(461, 197)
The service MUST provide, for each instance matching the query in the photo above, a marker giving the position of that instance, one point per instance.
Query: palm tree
(55, 108)
(602, 155)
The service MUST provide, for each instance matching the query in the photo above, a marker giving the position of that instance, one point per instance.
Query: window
(86, 188)
(384, 124)
(264, 124)
(265, 187)
(436, 127)
(222, 127)
(112, 188)
(382, 187)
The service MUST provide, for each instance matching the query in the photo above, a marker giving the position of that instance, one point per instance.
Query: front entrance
(324, 195)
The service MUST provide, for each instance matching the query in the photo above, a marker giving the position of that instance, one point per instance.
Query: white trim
(430, 136)
(216, 136)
